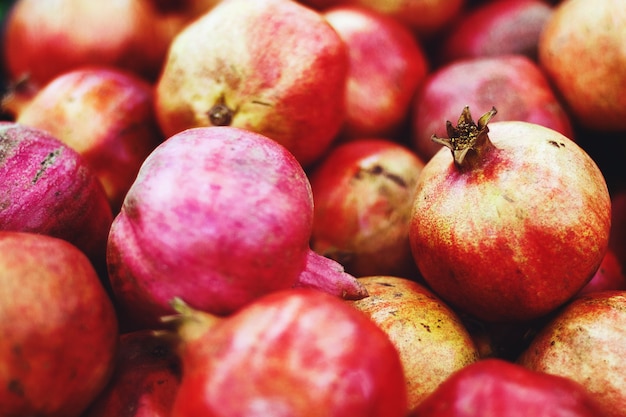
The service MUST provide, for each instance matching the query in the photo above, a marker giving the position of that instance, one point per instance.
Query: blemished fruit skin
(59, 328)
(498, 388)
(586, 342)
(518, 230)
(273, 67)
(48, 188)
(432, 341)
(296, 352)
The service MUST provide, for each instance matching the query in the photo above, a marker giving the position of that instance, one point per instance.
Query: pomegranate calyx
(190, 323)
(220, 114)
(467, 136)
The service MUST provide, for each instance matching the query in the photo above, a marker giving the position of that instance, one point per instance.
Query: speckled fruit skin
(592, 89)
(58, 326)
(296, 353)
(106, 115)
(497, 388)
(48, 188)
(431, 340)
(363, 192)
(277, 66)
(146, 377)
(217, 216)
(586, 342)
(517, 237)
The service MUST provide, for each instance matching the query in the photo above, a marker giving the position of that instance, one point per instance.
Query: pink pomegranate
(297, 352)
(48, 188)
(58, 326)
(512, 224)
(218, 216)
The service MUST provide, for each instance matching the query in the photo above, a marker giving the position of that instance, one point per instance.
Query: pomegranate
(44, 38)
(146, 378)
(609, 276)
(296, 352)
(512, 224)
(48, 188)
(387, 64)
(105, 114)
(58, 326)
(432, 341)
(593, 89)
(586, 342)
(514, 82)
(217, 216)
(497, 28)
(363, 192)
(494, 387)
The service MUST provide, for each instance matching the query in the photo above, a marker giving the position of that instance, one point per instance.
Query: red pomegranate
(296, 353)
(512, 224)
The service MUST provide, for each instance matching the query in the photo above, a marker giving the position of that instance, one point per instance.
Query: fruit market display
(302, 208)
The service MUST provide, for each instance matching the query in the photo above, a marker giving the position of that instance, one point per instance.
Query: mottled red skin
(105, 114)
(46, 38)
(363, 191)
(58, 326)
(514, 84)
(609, 276)
(386, 66)
(586, 342)
(146, 378)
(496, 28)
(217, 216)
(519, 235)
(48, 188)
(282, 73)
(592, 89)
(291, 353)
(498, 388)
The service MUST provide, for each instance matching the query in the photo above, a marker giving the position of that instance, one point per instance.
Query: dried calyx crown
(467, 138)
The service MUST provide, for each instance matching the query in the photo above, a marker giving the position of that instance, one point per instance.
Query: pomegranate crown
(467, 136)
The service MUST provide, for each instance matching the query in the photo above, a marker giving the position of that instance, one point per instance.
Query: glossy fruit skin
(281, 73)
(48, 188)
(58, 326)
(496, 388)
(217, 216)
(432, 341)
(514, 84)
(592, 90)
(520, 235)
(146, 377)
(586, 342)
(106, 115)
(363, 192)
(298, 352)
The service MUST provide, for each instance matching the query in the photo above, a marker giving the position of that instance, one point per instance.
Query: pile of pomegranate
(312, 208)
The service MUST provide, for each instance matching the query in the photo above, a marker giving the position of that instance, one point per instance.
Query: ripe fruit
(497, 388)
(146, 377)
(514, 83)
(106, 115)
(586, 342)
(297, 352)
(273, 67)
(513, 224)
(218, 216)
(386, 66)
(58, 326)
(593, 89)
(363, 192)
(48, 188)
(429, 336)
